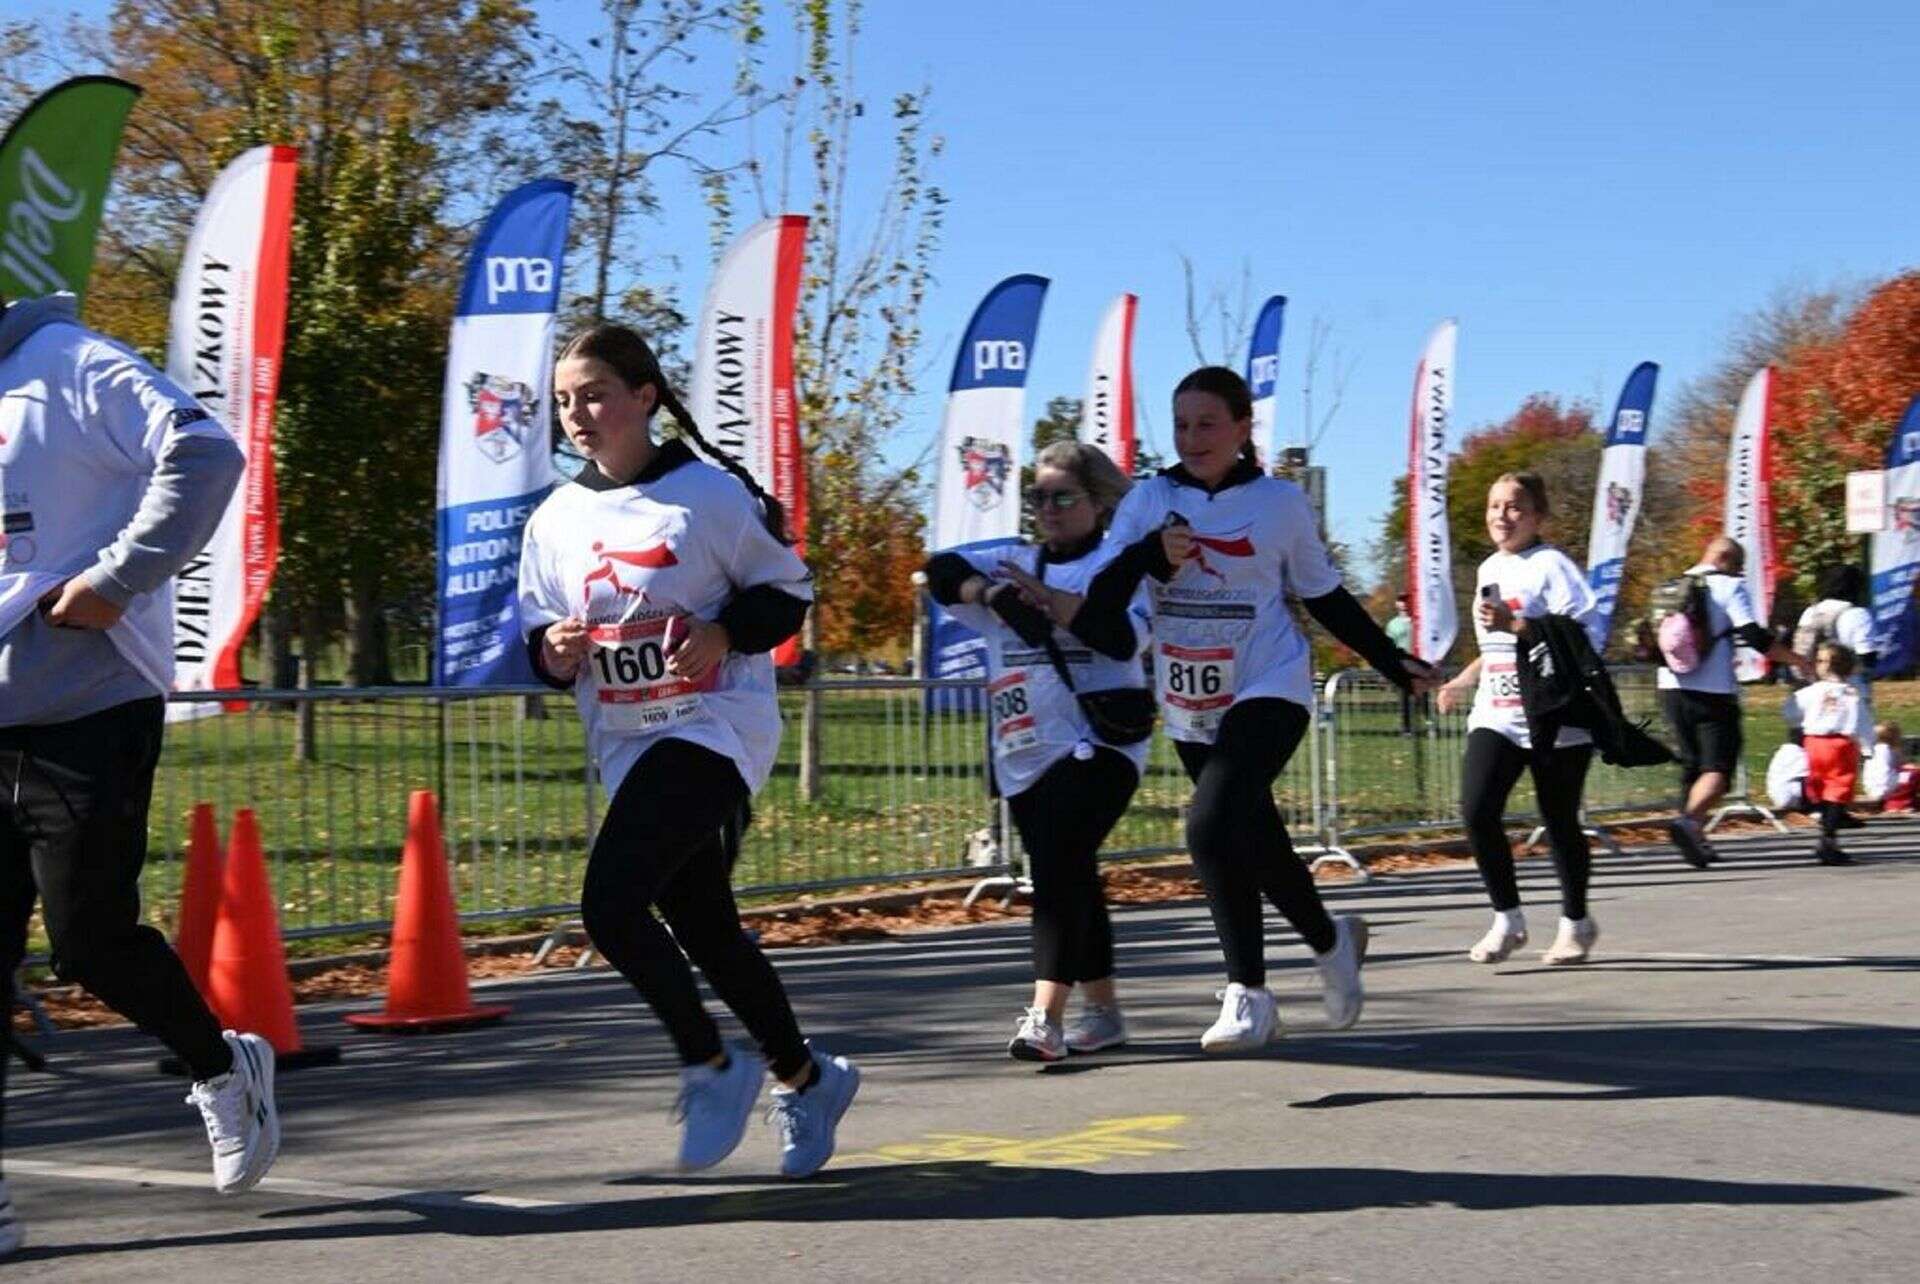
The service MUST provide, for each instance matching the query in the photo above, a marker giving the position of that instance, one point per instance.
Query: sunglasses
(1056, 499)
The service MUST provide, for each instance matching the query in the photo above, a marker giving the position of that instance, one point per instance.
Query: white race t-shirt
(1729, 607)
(1829, 708)
(1853, 629)
(630, 562)
(1036, 721)
(1882, 772)
(1222, 632)
(1536, 581)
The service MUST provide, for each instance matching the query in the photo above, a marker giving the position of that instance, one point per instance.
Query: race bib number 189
(1195, 687)
(631, 685)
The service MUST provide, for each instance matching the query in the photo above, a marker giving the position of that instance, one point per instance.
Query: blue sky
(1583, 185)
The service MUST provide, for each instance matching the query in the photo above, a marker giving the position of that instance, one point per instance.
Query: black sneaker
(1693, 845)
(1829, 853)
(1847, 820)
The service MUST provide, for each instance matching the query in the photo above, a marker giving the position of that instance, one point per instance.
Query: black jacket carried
(1564, 684)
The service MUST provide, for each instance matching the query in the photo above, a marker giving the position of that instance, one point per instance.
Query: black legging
(1492, 768)
(74, 798)
(1063, 817)
(662, 845)
(1239, 844)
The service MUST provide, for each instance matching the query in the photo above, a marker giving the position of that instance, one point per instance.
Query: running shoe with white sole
(714, 1106)
(1097, 1029)
(1037, 1039)
(243, 1124)
(1340, 987)
(1691, 839)
(13, 1236)
(1573, 943)
(1497, 944)
(807, 1120)
(1249, 1018)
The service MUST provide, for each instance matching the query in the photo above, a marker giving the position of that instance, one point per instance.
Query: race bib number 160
(631, 685)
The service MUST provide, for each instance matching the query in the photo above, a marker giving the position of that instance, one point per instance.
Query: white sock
(1511, 922)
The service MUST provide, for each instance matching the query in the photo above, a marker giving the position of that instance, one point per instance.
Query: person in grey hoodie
(111, 478)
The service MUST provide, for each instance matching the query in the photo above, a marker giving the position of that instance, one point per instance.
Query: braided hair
(634, 361)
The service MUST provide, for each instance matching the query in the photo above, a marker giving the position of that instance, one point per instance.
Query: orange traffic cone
(247, 985)
(199, 896)
(427, 980)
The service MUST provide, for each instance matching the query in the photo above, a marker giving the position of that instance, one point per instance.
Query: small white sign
(1867, 502)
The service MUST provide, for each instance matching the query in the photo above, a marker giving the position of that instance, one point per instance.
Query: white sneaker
(243, 1125)
(1097, 1029)
(713, 1108)
(1037, 1039)
(1497, 944)
(1249, 1018)
(807, 1120)
(1573, 943)
(1340, 987)
(13, 1235)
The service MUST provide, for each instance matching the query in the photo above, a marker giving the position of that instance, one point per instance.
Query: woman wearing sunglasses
(1066, 768)
(1222, 546)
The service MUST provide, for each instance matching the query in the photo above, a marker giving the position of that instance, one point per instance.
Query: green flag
(55, 163)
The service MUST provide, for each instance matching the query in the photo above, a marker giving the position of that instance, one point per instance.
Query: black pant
(1492, 768)
(73, 835)
(1063, 817)
(1239, 843)
(663, 844)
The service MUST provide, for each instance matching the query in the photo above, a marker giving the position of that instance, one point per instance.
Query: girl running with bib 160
(1067, 781)
(1524, 579)
(654, 585)
(1224, 546)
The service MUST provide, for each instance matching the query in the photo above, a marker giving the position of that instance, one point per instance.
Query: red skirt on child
(1833, 768)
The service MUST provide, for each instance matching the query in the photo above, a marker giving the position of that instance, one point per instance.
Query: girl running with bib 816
(1066, 784)
(654, 585)
(1224, 545)
(1523, 579)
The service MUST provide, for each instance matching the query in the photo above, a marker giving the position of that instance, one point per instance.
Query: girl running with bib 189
(1523, 579)
(1066, 783)
(654, 585)
(1223, 546)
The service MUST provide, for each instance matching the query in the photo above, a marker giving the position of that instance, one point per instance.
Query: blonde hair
(1089, 465)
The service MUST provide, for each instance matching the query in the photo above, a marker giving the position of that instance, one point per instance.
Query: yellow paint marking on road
(1100, 1140)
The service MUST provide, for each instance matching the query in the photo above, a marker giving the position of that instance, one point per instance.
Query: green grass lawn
(898, 793)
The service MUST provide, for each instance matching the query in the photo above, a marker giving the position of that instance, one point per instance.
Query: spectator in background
(1400, 633)
(1839, 617)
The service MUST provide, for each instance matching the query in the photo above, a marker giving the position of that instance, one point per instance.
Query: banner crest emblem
(985, 465)
(502, 414)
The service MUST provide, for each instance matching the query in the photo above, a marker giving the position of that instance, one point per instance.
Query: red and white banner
(1749, 515)
(1106, 417)
(743, 396)
(1429, 543)
(229, 317)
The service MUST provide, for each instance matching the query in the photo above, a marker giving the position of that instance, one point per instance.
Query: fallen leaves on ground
(804, 925)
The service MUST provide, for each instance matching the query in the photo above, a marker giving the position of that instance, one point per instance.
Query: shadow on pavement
(1854, 1067)
(974, 1191)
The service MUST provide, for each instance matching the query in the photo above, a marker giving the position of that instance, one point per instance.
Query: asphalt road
(1729, 1091)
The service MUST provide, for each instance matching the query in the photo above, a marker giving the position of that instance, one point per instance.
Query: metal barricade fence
(893, 793)
(1393, 764)
(893, 788)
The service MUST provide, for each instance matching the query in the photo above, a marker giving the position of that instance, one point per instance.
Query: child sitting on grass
(1890, 778)
(1829, 716)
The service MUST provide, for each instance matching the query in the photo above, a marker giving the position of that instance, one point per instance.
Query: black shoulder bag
(1118, 715)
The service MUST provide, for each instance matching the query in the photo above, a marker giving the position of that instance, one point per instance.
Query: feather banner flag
(1429, 542)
